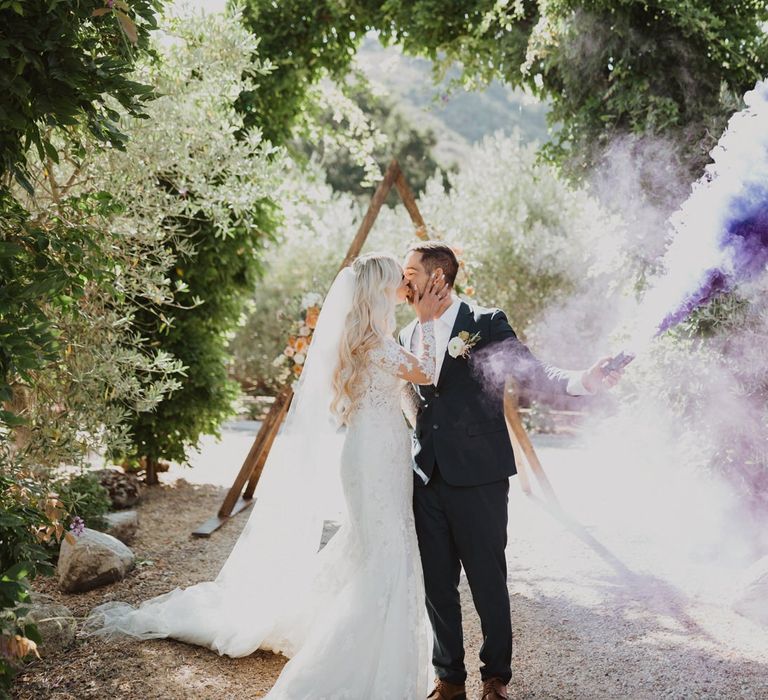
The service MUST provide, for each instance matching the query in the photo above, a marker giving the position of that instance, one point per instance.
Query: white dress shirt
(443, 328)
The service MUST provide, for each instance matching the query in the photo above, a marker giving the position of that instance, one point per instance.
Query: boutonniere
(461, 344)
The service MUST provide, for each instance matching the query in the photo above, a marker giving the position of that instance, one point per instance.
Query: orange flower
(301, 345)
(297, 370)
(312, 314)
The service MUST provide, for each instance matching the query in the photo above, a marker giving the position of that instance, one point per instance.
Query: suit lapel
(465, 321)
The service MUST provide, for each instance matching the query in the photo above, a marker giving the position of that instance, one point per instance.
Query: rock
(122, 524)
(124, 489)
(54, 621)
(751, 599)
(95, 559)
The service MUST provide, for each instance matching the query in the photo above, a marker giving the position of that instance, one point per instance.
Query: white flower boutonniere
(461, 344)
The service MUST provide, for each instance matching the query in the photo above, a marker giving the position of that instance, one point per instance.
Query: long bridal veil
(263, 593)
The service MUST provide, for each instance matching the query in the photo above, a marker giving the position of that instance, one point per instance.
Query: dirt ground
(586, 625)
(167, 556)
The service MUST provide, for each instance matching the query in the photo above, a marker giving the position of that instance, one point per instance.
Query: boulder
(124, 489)
(54, 621)
(122, 524)
(751, 598)
(95, 559)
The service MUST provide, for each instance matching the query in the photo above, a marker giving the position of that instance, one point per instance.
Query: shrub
(31, 517)
(84, 496)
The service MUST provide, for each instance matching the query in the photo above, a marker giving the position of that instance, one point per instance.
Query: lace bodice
(389, 367)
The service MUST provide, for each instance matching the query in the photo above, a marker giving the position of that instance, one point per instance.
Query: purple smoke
(721, 231)
(747, 242)
(536, 380)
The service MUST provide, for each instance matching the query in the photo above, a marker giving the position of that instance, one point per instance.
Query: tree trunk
(150, 476)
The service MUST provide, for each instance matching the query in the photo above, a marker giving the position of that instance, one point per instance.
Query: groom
(462, 462)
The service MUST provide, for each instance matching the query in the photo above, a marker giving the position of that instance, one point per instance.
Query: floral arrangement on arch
(295, 353)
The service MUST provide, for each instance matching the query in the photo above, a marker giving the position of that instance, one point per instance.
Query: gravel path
(589, 621)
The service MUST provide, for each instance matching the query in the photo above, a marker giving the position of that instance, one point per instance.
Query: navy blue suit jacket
(460, 421)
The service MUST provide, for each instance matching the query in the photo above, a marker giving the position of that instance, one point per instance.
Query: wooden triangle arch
(238, 500)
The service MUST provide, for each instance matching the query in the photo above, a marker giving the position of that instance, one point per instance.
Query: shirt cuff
(576, 385)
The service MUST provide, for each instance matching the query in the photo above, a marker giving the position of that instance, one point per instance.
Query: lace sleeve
(409, 402)
(396, 360)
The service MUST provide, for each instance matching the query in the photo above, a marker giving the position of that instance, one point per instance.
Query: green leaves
(606, 67)
(42, 269)
(127, 25)
(60, 63)
(656, 68)
(304, 41)
(84, 496)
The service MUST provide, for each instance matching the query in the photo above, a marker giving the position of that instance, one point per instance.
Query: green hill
(458, 117)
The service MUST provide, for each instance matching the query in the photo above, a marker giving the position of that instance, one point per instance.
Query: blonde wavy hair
(372, 318)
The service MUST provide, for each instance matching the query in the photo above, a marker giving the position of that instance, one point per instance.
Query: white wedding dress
(352, 616)
(370, 638)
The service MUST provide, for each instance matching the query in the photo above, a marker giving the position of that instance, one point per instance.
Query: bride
(352, 616)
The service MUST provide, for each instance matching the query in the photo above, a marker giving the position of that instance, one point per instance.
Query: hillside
(458, 117)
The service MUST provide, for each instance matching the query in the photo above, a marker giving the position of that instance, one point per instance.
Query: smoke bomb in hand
(618, 362)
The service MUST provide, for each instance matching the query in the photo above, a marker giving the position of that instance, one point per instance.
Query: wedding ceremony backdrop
(237, 500)
(179, 185)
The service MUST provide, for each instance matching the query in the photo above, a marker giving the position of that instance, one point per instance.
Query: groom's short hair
(436, 254)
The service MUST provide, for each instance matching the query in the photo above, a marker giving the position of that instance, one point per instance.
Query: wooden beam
(512, 419)
(253, 465)
(379, 197)
(215, 522)
(521, 444)
(250, 461)
(406, 194)
(284, 403)
(233, 502)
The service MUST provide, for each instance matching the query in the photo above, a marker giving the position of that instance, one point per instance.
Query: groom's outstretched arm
(516, 359)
